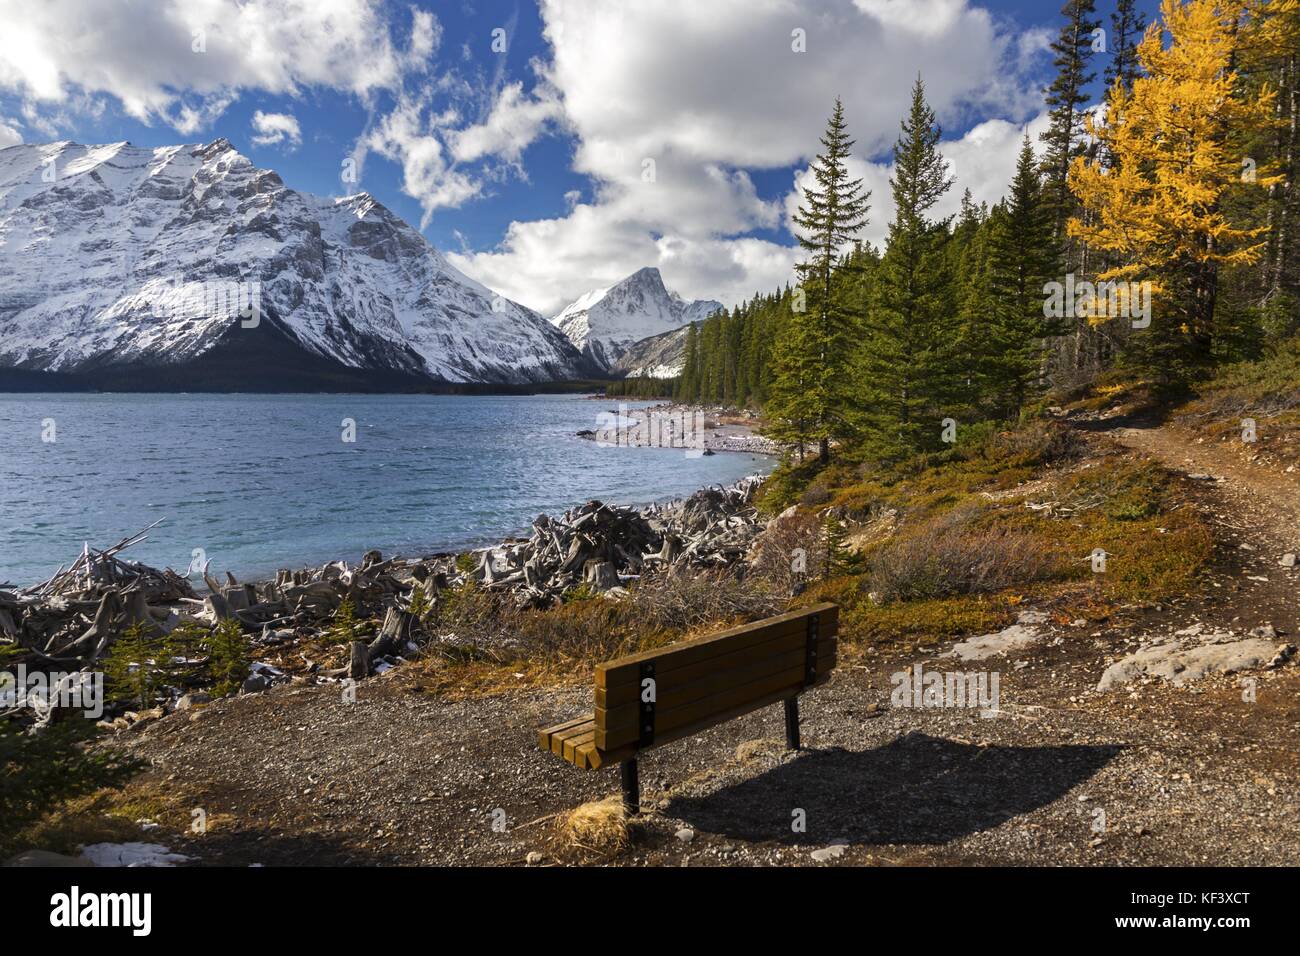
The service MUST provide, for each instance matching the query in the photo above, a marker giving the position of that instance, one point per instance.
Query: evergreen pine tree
(228, 657)
(1066, 98)
(130, 666)
(688, 384)
(973, 295)
(908, 362)
(813, 389)
(834, 535)
(1127, 24)
(1022, 261)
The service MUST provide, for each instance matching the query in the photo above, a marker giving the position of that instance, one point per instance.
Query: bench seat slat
(544, 736)
(572, 743)
(559, 740)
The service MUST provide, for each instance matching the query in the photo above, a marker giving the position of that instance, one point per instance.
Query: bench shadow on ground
(916, 789)
(260, 848)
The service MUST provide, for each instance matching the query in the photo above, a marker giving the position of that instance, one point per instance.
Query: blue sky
(522, 152)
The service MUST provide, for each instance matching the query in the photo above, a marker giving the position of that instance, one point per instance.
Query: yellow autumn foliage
(1152, 198)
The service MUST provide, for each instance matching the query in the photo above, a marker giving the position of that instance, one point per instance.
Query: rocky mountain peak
(604, 323)
(116, 256)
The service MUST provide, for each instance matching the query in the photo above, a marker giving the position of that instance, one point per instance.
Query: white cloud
(183, 62)
(426, 36)
(708, 91)
(404, 137)
(515, 121)
(984, 160)
(9, 135)
(719, 80)
(274, 129)
(444, 143)
(593, 246)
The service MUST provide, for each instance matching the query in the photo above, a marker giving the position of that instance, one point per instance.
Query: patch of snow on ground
(131, 854)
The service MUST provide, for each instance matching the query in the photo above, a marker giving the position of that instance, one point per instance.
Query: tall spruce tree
(813, 390)
(1127, 24)
(908, 371)
(1023, 259)
(688, 385)
(1065, 100)
(971, 267)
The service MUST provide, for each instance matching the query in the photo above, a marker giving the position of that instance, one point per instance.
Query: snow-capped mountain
(660, 356)
(191, 257)
(605, 322)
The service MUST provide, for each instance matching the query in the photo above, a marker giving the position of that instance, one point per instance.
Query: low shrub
(953, 555)
(658, 609)
(1126, 491)
(40, 770)
(923, 622)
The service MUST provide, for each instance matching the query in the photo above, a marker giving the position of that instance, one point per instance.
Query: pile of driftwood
(604, 547)
(301, 597)
(70, 621)
(73, 617)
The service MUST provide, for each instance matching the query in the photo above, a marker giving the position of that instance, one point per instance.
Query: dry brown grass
(953, 555)
(772, 555)
(498, 646)
(764, 747)
(688, 601)
(602, 827)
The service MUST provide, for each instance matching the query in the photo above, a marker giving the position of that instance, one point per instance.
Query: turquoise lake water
(267, 481)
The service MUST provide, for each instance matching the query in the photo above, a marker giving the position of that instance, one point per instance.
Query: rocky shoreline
(69, 623)
(692, 428)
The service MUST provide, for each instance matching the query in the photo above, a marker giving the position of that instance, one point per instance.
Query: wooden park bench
(655, 697)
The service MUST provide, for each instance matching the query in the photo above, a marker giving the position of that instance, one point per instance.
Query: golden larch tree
(1159, 212)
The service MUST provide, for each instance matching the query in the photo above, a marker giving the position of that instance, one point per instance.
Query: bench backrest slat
(717, 676)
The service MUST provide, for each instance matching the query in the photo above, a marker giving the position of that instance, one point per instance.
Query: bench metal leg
(631, 787)
(792, 723)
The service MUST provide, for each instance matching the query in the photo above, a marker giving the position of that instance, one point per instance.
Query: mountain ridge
(115, 262)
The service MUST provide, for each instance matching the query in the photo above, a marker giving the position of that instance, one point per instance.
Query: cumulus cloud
(515, 121)
(428, 175)
(9, 135)
(274, 129)
(182, 62)
(720, 81)
(547, 263)
(699, 94)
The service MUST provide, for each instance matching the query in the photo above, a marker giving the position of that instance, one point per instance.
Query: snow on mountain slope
(660, 356)
(120, 256)
(605, 322)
